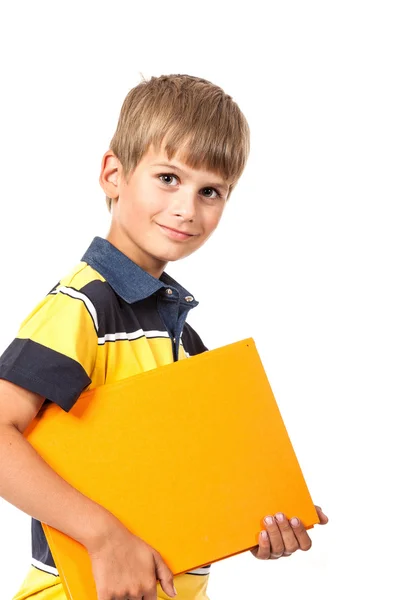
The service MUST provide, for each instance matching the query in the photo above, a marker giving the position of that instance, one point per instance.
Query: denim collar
(129, 281)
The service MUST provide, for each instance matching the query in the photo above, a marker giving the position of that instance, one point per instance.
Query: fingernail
(175, 590)
(269, 520)
(294, 522)
(264, 535)
(279, 516)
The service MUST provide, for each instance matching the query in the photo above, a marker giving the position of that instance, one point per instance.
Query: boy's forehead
(159, 158)
(159, 155)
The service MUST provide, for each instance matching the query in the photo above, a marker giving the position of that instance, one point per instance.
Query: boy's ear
(110, 174)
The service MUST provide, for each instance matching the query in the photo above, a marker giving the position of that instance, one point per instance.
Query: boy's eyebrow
(218, 184)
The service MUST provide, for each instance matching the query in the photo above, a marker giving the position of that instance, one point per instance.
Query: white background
(306, 257)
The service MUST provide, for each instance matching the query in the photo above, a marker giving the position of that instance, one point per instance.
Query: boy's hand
(125, 567)
(284, 537)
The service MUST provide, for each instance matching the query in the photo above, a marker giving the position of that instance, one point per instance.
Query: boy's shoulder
(79, 276)
(83, 282)
(80, 290)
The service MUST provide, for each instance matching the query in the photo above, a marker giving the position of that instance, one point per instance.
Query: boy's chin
(174, 255)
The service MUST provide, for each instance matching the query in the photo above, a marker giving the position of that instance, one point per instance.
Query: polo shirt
(106, 320)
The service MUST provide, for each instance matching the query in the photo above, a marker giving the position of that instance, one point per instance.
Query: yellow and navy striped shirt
(108, 319)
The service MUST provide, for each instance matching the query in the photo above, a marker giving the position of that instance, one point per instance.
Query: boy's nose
(184, 206)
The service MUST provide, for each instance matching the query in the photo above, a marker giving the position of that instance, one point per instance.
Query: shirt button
(189, 298)
(169, 291)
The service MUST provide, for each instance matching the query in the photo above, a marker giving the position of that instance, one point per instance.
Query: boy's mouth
(175, 233)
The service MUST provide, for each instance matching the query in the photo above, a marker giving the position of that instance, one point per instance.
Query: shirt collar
(130, 281)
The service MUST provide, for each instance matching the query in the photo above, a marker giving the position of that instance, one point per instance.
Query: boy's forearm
(27, 482)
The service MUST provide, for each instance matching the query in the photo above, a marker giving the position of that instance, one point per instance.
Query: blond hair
(188, 115)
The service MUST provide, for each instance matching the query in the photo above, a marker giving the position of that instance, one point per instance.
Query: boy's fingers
(301, 534)
(263, 550)
(289, 539)
(165, 575)
(275, 537)
(323, 519)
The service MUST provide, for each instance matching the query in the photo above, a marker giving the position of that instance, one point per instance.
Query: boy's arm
(121, 562)
(27, 482)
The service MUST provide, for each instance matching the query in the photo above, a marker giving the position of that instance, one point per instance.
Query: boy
(180, 147)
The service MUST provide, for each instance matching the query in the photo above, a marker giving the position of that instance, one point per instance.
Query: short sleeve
(54, 352)
(192, 342)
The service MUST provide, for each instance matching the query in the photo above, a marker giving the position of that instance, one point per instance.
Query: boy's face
(165, 211)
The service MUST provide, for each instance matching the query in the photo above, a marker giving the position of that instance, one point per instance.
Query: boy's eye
(167, 176)
(164, 177)
(209, 189)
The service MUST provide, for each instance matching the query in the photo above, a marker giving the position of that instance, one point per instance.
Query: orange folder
(189, 456)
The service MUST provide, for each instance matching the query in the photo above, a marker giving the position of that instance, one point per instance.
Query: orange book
(189, 456)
